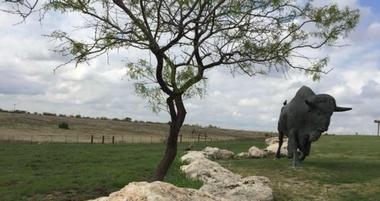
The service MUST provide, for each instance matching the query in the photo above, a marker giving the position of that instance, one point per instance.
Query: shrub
(49, 114)
(128, 119)
(20, 111)
(63, 125)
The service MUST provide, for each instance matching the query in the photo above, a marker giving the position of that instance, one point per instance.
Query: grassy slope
(29, 124)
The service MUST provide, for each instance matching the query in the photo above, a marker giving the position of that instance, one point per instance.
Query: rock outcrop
(221, 182)
(158, 191)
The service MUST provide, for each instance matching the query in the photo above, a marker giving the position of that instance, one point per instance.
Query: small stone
(255, 152)
(242, 155)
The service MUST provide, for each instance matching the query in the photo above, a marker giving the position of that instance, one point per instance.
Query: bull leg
(280, 141)
(303, 143)
(296, 162)
(308, 147)
(292, 148)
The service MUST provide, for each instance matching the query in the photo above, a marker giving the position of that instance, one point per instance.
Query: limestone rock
(255, 152)
(209, 172)
(272, 148)
(242, 155)
(247, 189)
(271, 140)
(222, 183)
(273, 145)
(216, 153)
(219, 184)
(158, 191)
(191, 156)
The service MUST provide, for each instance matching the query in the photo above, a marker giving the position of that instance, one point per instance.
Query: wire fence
(108, 139)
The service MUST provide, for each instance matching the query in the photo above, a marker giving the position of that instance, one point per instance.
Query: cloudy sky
(252, 103)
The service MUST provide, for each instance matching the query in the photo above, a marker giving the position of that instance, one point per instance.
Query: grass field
(339, 168)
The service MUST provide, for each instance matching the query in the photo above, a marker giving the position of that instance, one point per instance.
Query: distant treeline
(78, 116)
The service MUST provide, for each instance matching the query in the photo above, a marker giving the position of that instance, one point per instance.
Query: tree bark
(177, 113)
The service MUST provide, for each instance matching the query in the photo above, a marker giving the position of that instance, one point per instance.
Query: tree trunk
(177, 113)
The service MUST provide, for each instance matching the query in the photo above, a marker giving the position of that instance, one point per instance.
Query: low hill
(38, 127)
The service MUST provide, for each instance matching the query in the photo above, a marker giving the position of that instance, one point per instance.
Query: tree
(189, 37)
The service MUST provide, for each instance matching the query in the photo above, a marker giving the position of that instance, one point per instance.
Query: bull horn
(342, 109)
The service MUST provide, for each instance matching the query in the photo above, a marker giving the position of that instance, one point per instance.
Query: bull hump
(304, 91)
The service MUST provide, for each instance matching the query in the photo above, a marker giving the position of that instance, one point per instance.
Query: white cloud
(249, 102)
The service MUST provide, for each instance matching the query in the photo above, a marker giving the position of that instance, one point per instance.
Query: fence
(107, 139)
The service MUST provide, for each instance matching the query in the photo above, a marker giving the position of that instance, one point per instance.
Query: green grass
(77, 171)
(340, 168)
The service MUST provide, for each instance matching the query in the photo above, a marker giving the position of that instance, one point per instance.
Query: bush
(20, 111)
(128, 119)
(49, 114)
(63, 125)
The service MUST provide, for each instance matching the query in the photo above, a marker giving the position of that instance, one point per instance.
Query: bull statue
(303, 120)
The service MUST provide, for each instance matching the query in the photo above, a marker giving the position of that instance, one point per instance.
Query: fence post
(199, 137)
(92, 139)
(113, 139)
(103, 139)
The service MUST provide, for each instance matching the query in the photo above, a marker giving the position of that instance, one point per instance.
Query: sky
(101, 88)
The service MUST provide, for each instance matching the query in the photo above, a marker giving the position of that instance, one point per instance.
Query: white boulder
(272, 148)
(158, 191)
(255, 152)
(222, 183)
(216, 153)
(242, 155)
(252, 188)
(191, 156)
(271, 140)
(209, 172)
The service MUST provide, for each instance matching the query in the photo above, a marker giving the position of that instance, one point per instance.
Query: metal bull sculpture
(303, 120)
